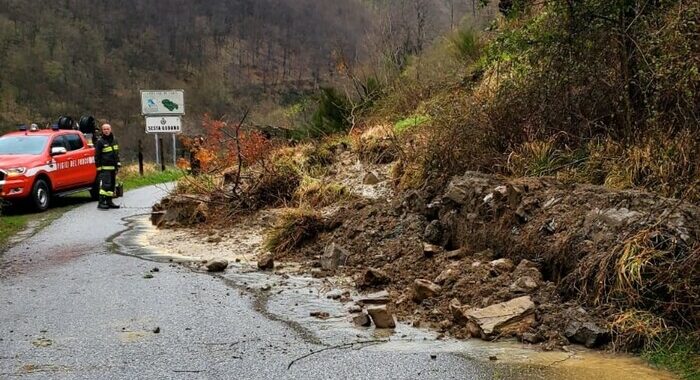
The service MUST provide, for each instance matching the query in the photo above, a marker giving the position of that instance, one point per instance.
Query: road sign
(163, 102)
(163, 124)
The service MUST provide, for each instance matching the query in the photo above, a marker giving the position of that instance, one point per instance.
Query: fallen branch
(337, 347)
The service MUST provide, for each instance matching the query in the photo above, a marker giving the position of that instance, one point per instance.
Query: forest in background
(76, 57)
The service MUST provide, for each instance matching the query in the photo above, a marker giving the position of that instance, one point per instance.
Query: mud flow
(302, 303)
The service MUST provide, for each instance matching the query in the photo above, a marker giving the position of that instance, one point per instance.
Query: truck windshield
(16, 145)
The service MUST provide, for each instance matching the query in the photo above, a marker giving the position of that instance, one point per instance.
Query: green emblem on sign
(170, 105)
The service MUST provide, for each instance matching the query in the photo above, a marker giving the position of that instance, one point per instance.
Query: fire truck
(37, 165)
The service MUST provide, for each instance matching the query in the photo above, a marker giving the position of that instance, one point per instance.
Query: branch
(339, 346)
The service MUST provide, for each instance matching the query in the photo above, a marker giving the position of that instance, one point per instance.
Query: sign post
(163, 110)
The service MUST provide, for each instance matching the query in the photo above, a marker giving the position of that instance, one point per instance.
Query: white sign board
(163, 124)
(163, 102)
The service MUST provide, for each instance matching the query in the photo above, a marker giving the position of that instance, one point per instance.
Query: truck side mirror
(58, 150)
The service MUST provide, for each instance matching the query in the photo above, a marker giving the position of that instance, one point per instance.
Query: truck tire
(41, 195)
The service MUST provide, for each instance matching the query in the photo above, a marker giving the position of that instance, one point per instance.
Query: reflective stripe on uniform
(106, 193)
(107, 168)
(107, 149)
(115, 147)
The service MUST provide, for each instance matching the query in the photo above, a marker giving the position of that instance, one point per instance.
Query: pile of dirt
(582, 255)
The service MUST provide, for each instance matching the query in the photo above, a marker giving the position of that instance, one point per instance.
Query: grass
(132, 181)
(410, 122)
(677, 353)
(314, 193)
(10, 225)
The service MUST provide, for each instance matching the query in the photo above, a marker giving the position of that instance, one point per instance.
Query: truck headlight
(15, 172)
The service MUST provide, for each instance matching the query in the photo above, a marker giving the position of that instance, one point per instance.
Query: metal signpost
(163, 110)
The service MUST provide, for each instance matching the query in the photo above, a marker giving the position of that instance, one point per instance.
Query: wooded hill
(83, 56)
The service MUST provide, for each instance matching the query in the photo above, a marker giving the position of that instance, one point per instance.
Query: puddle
(290, 299)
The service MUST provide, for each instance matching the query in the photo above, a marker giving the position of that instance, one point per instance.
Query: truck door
(58, 163)
(82, 162)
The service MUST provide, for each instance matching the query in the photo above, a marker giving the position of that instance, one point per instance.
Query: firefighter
(107, 162)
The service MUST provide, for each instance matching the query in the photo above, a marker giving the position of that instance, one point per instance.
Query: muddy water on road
(289, 298)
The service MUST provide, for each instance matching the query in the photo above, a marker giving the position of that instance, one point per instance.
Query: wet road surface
(75, 303)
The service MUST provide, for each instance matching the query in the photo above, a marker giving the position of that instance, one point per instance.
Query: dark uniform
(107, 162)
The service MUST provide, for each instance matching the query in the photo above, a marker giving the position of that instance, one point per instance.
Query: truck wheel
(41, 195)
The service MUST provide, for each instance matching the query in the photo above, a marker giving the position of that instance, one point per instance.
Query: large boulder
(423, 289)
(433, 232)
(334, 256)
(586, 333)
(217, 265)
(506, 318)
(266, 262)
(382, 317)
(378, 298)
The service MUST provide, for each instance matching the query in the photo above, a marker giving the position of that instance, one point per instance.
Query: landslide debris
(563, 262)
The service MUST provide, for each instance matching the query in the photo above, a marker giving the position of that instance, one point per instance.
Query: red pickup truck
(38, 164)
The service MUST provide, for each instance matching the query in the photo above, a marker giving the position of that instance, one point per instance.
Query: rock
(493, 358)
(423, 289)
(334, 294)
(214, 239)
(447, 276)
(433, 232)
(370, 179)
(614, 217)
(457, 254)
(333, 256)
(217, 265)
(587, 333)
(531, 338)
(502, 265)
(353, 308)
(155, 269)
(374, 277)
(445, 325)
(266, 262)
(430, 250)
(382, 318)
(457, 311)
(320, 314)
(378, 298)
(147, 276)
(157, 218)
(156, 330)
(362, 320)
(501, 319)
(524, 284)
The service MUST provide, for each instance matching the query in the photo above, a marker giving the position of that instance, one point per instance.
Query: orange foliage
(219, 149)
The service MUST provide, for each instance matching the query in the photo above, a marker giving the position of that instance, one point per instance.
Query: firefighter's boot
(111, 204)
(102, 205)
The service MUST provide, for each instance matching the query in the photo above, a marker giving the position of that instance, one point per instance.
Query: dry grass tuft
(315, 193)
(294, 227)
(377, 145)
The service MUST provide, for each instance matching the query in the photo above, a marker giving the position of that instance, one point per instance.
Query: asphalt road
(73, 308)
